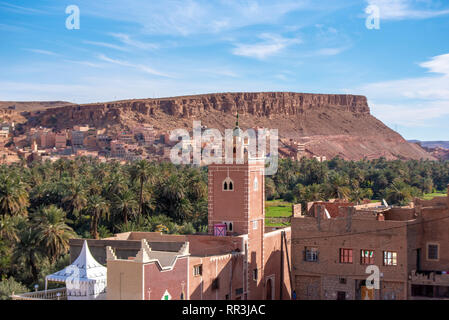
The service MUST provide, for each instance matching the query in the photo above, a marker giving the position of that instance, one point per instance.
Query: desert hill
(329, 124)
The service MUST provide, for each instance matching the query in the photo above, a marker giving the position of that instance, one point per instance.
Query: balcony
(53, 294)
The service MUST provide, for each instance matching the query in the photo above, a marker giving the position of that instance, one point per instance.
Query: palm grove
(43, 205)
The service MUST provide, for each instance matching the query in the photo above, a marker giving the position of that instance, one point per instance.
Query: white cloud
(438, 64)
(45, 52)
(126, 39)
(330, 51)
(411, 115)
(272, 45)
(412, 101)
(186, 17)
(139, 67)
(20, 9)
(406, 9)
(106, 45)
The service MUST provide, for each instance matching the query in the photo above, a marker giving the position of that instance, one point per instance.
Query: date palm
(27, 253)
(13, 196)
(140, 173)
(52, 232)
(8, 229)
(97, 207)
(126, 204)
(76, 197)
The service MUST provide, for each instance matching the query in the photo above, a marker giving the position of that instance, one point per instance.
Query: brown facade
(408, 245)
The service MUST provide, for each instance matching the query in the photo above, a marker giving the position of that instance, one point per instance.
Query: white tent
(85, 278)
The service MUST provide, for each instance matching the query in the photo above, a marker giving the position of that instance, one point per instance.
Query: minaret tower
(237, 199)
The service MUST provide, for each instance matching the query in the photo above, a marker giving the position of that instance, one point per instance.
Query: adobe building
(238, 259)
(409, 245)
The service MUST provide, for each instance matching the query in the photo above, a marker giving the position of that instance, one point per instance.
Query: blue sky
(144, 49)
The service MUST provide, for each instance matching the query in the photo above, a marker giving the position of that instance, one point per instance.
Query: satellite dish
(384, 203)
(328, 216)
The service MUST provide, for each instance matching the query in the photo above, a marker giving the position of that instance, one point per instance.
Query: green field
(430, 196)
(278, 208)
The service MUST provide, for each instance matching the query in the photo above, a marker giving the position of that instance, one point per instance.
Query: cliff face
(331, 125)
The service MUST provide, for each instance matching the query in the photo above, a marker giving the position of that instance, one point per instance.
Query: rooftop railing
(52, 294)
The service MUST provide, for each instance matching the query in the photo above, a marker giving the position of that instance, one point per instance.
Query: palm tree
(8, 229)
(27, 252)
(13, 196)
(338, 187)
(60, 166)
(52, 233)
(140, 172)
(313, 192)
(76, 197)
(126, 204)
(97, 207)
(358, 194)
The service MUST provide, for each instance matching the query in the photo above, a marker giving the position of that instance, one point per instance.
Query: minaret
(237, 199)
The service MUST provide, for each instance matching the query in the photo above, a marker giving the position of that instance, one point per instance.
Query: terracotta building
(409, 246)
(238, 259)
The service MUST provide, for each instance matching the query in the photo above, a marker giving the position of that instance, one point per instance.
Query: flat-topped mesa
(257, 104)
(261, 104)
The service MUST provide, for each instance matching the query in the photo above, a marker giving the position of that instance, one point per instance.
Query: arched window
(256, 184)
(228, 184)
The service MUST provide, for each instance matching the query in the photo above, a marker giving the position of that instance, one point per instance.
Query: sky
(145, 49)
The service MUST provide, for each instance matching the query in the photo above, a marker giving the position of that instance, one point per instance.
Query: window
(255, 225)
(229, 226)
(390, 258)
(215, 284)
(432, 251)
(311, 254)
(342, 280)
(227, 297)
(238, 291)
(228, 184)
(255, 274)
(366, 257)
(256, 184)
(345, 255)
(198, 270)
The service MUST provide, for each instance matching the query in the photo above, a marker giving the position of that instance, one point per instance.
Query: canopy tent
(85, 278)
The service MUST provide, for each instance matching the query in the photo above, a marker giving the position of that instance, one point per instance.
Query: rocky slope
(330, 125)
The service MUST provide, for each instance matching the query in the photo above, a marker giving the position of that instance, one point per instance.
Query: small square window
(311, 254)
(390, 258)
(366, 257)
(432, 251)
(198, 270)
(342, 280)
(345, 255)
